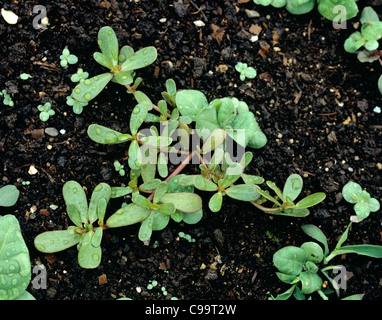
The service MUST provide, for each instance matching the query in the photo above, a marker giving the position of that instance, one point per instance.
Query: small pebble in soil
(199, 23)
(62, 131)
(377, 109)
(53, 132)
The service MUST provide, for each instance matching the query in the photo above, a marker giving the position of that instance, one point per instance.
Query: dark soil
(313, 101)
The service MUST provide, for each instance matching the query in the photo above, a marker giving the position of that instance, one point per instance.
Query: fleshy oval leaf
(90, 88)
(103, 135)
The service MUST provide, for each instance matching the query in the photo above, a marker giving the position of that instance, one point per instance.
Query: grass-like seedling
(301, 266)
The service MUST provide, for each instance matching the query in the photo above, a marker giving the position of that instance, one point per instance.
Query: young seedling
(363, 202)
(245, 71)
(45, 111)
(67, 58)
(79, 76)
(15, 266)
(371, 32)
(25, 76)
(119, 168)
(120, 62)
(7, 99)
(9, 195)
(300, 266)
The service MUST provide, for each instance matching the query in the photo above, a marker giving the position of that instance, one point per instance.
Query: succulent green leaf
(327, 8)
(55, 241)
(276, 189)
(127, 215)
(316, 233)
(300, 6)
(160, 191)
(190, 102)
(146, 229)
(97, 237)
(310, 282)
(204, 184)
(243, 192)
(374, 205)
(192, 218)
(162, 165)
(174, 185)
(125, 53)
(143, 99)
(117, 192)
(75, 195)
(295, 212)
(148, 171)
(380, 84)
(267, 196)
(314, 251)
(167, 208)
(368, 15)
(150, 185)
(251, 179)
(74, 214)
(142, 201)
(89, 257)
(226, 112)
(292, 187)
(140, 59)
(9, 195)
(138, 116)
(160, 220)
(215, 139)
(90, 88)
(206, 121)
(362, 209)
(103, 60)
(108, 43)
(184, 201)
(135, 156)
(98, 202)
(351, 192)
(311, 200)
(123, 78)
(15, 266)
(290, 260)
(216, 202)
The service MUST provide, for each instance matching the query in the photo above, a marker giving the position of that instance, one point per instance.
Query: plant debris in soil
(313, 101)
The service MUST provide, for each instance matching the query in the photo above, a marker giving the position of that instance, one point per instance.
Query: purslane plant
(153, 213)
(326, 8)
(301, 266)
(120, 62)
(363, 202)
(15, 265)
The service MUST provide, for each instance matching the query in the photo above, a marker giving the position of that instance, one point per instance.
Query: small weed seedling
(67, 58)
(45, 111)
(245, 71)
(7, 99)
(25, 76)
(299, 266)
(119, 168)
(15, 263)
(9, 195)
(79, 76)
(363, 202)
